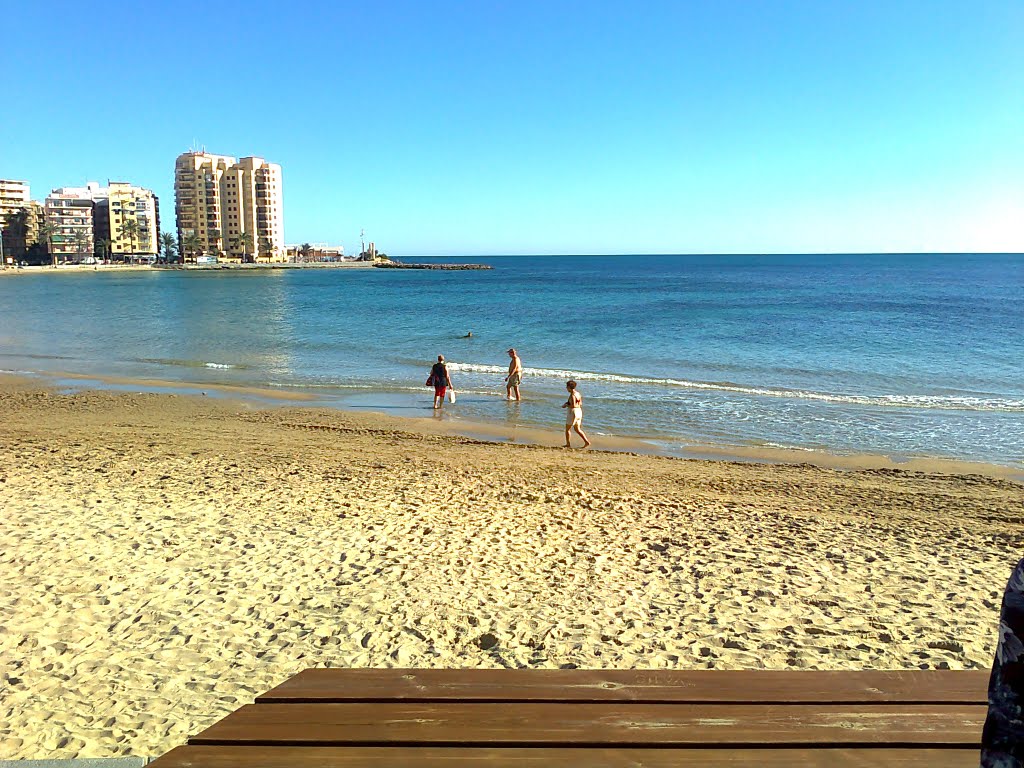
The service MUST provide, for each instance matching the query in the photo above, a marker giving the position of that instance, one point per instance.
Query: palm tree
(47, 231)
(213, 239)
(246, 241)
(81, 240)
(168, 245)
(191, 243)
(105, 247)
(265, 248)
(305, 249)
(130, 228)
(15, 233)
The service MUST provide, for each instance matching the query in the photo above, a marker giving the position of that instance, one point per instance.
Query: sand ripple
(167, 559)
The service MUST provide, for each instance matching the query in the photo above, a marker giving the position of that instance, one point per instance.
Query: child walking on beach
(574, 416)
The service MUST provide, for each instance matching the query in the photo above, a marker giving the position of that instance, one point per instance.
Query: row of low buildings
(80, 223)
(227, 208)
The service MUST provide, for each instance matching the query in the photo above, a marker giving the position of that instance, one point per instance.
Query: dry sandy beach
(166, 558)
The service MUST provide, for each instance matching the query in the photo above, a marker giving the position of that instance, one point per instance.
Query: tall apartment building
(117, 212)
(221, 200)
(19, 223)
(14, 195)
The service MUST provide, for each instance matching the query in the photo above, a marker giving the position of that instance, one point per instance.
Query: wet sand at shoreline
(444, 423)
(169, 557)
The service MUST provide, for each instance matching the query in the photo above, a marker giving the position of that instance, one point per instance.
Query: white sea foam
(217, 365)
(935, 402)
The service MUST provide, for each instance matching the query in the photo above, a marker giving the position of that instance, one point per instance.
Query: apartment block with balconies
(70, 211)
(127, 221)
(198, 203)
(19, 218)
(221, 200)
(14, 195)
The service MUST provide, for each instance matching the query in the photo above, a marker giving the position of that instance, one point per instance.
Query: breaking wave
(935, 402)
(188, 363)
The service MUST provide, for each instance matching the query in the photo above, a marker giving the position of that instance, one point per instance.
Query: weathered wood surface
(447, 757)
(611, 718)
(582, 685)
(518, 724)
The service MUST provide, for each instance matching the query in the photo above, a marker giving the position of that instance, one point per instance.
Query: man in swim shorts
(515, 376)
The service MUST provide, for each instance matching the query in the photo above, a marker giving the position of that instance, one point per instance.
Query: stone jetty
(400, 265)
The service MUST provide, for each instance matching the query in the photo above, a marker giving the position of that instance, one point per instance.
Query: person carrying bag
(441, 381)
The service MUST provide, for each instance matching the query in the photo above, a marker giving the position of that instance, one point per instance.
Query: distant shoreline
(47, 269)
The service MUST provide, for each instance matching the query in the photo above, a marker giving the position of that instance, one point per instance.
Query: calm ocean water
(898, 355)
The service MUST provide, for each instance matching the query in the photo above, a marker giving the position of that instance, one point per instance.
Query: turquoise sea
(901, 355)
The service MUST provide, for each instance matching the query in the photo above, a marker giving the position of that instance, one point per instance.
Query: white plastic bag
(451, 394)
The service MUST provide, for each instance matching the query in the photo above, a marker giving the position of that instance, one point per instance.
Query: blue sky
(548, 127)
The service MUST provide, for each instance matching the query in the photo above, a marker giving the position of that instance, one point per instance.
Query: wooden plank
(540, 685)
(445, 757)
(518, 724)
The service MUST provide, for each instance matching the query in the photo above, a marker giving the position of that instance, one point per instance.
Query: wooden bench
(583, 718)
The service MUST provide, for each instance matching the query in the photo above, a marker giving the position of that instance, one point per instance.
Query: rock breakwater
(400, 265)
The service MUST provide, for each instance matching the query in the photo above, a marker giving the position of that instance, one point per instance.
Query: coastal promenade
(169, 558)
(47, 269)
